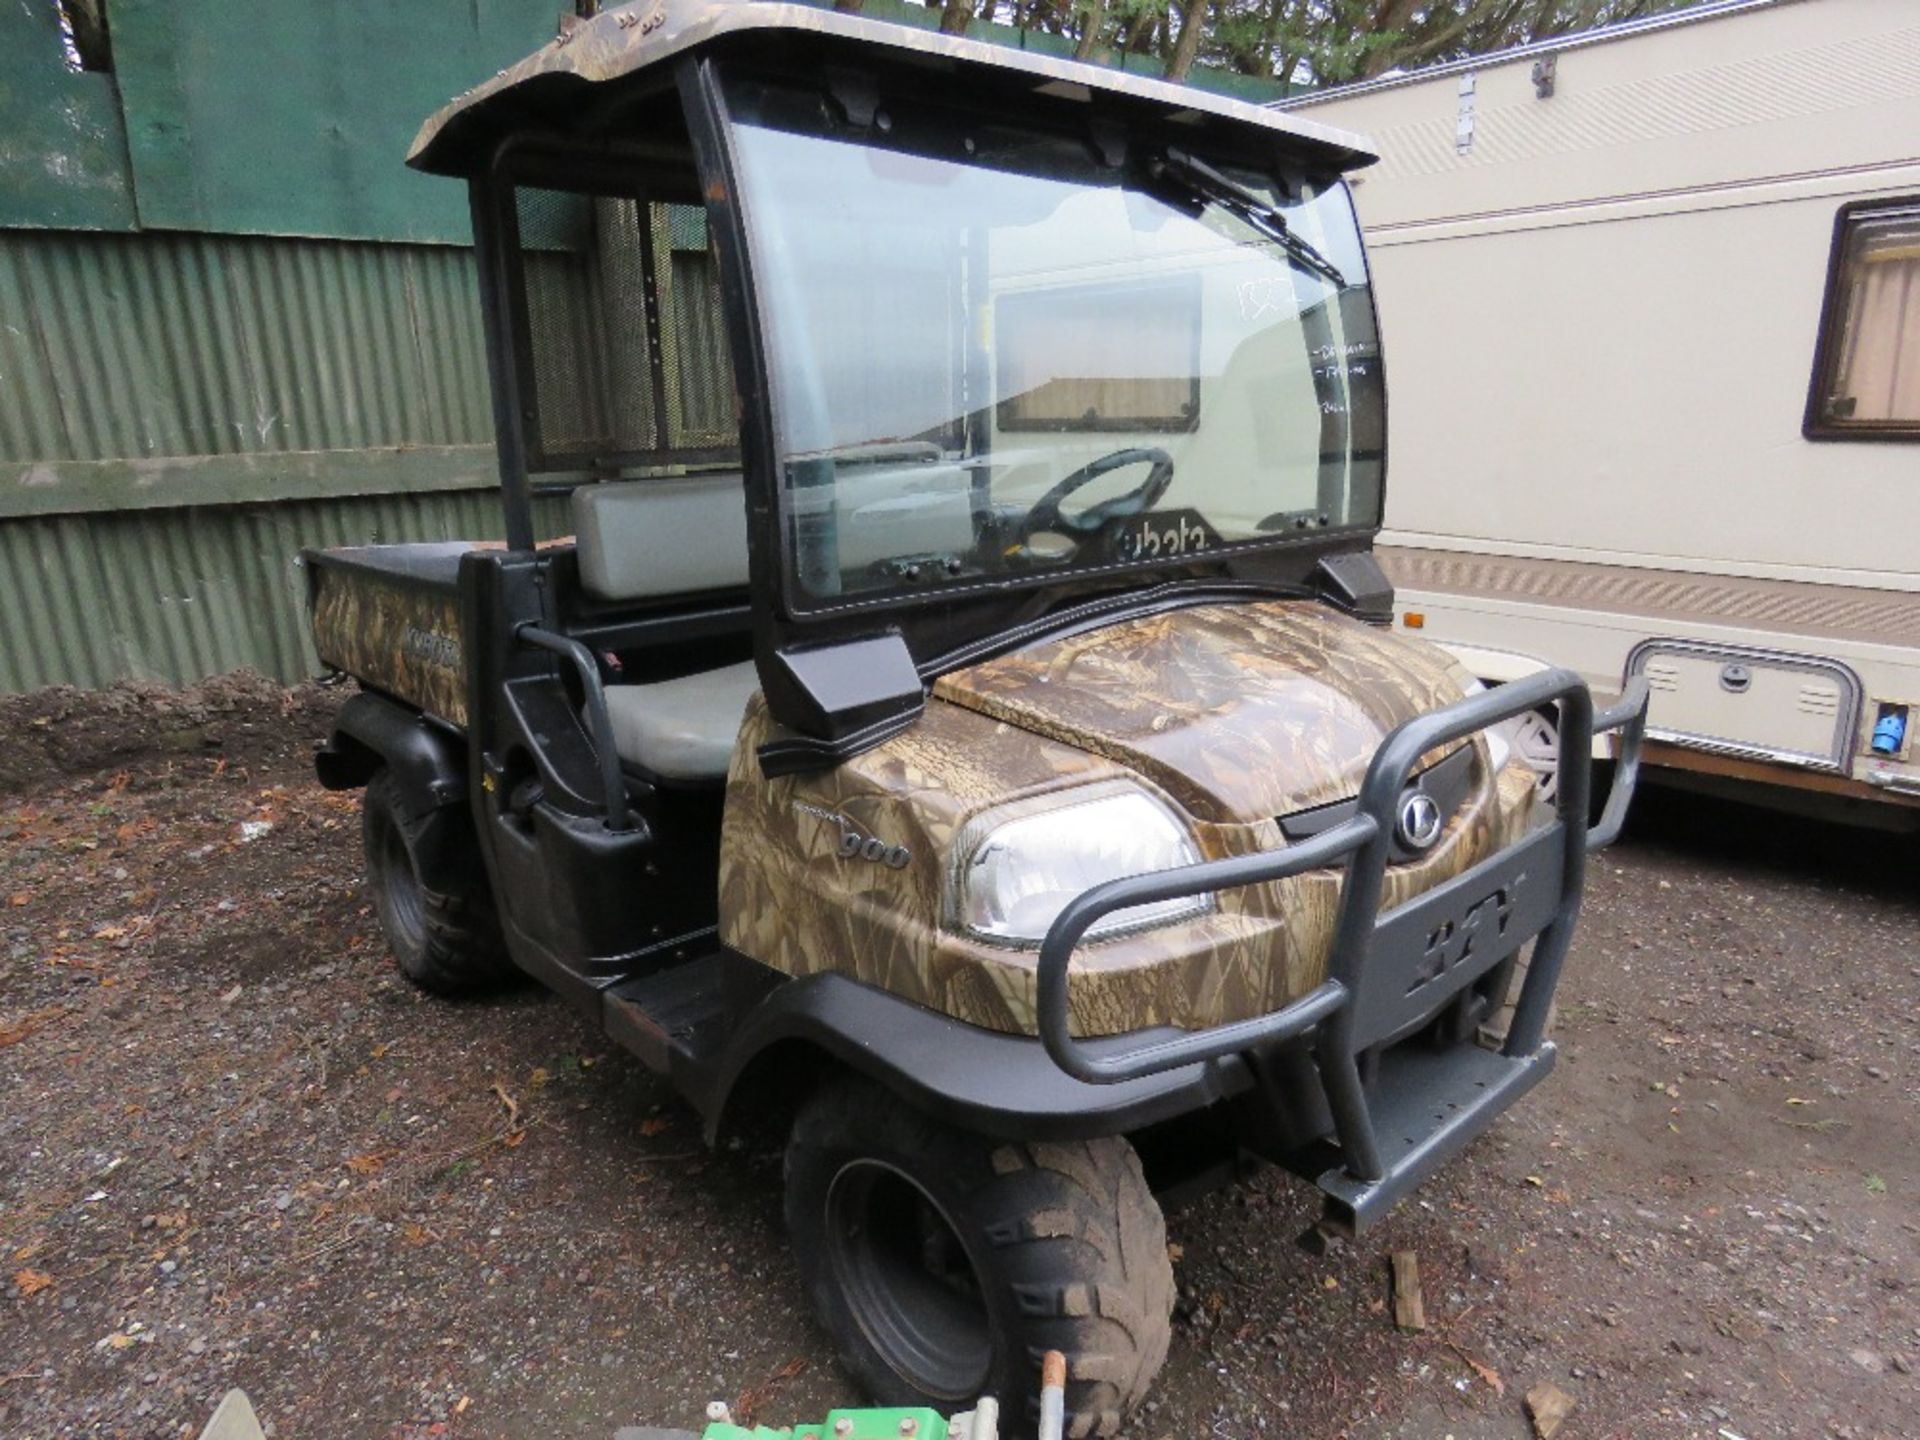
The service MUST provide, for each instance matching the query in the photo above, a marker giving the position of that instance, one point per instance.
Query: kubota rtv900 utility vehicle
(963, 718)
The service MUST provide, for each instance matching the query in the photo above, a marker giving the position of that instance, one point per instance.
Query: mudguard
(996, 1084)
(372, 731)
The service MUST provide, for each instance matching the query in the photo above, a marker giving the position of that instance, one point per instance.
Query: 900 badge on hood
(855, 843)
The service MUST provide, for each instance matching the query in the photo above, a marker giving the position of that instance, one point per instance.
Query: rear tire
(946, 1264)
(430, 894)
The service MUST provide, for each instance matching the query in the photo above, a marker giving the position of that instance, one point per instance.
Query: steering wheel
(1045, 514)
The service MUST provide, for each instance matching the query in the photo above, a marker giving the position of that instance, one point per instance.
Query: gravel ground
(240, 1151)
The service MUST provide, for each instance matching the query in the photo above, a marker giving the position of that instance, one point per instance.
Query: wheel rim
(908, 1280)
(404, 910)
(1537, 741)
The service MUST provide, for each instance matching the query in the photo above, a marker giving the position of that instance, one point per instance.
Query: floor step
(679, 1012)
(1427, 1105)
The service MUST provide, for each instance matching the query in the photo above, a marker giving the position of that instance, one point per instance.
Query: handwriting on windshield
(1271, 296)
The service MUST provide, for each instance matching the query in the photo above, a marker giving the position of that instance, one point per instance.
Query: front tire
(430, 894)
(946, 1264)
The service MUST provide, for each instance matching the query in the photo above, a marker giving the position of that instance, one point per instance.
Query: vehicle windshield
(1000, 352)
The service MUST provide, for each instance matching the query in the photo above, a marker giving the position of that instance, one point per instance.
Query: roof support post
(486, 199)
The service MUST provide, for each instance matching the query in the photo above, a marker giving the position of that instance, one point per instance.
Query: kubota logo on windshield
(1169, 533)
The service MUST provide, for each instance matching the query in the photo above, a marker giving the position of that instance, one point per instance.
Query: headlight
(1017, 867)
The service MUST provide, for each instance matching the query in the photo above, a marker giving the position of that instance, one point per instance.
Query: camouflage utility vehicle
(963, 719)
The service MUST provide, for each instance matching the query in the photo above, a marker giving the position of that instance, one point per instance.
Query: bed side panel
(393, 634)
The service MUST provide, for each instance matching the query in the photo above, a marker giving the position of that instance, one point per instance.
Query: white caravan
(1653, 297)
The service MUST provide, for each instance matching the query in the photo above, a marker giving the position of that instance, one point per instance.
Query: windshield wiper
(1206, 183)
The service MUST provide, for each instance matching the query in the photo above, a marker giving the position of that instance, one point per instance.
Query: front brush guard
(1386, 973)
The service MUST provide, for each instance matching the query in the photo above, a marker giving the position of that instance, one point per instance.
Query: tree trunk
(1186, 49)
(1096, 21)
(1390, 19)
(956, 16)
(1139, 35)
(851, 7)
(1279, 14)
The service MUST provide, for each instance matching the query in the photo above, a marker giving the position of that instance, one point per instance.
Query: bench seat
(682, 729)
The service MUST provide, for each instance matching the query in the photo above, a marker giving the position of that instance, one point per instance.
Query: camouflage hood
(1240, 712)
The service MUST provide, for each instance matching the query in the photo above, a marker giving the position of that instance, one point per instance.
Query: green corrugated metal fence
(181, 414)
(202, 369)
(156, 344)
(177, 594)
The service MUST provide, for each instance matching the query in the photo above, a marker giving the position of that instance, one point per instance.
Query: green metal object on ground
(861, 1425)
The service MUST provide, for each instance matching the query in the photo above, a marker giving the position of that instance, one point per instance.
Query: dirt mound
(62, 732)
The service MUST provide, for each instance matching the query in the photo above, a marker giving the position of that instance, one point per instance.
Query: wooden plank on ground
(1409, 1306)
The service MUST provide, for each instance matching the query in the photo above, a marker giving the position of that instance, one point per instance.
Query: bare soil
(239, 1150)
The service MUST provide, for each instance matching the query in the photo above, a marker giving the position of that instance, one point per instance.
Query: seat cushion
(682, 729)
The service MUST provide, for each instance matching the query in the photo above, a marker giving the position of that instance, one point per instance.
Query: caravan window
(1866, 381)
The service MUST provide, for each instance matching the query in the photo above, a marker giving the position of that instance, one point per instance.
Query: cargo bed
(389, 616)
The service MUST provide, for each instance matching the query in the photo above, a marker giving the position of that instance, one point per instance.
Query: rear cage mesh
(621, 343)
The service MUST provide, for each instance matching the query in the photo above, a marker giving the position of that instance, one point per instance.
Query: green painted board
(294, 119)
(888, 1424)
(63, 151)
(170, 482)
